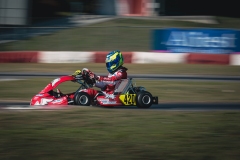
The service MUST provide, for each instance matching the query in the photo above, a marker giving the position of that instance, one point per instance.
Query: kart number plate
(128, 99)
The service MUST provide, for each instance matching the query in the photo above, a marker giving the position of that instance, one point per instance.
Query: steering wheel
(87, 78)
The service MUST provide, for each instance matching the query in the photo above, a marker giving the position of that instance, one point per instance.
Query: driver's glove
(77, 75)
(77, 72)
(91, 74)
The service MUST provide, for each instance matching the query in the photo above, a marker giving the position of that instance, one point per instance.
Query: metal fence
(87, 38)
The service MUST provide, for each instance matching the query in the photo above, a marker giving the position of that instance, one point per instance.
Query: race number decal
(128, 99)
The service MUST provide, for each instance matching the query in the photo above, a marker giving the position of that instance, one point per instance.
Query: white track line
(10, 79)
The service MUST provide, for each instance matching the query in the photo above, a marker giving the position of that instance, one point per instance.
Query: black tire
(82, 99)
(144, 99)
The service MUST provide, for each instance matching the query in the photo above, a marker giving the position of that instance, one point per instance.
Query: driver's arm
(116, 76)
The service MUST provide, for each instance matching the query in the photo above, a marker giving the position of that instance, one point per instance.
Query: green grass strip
(93, 133)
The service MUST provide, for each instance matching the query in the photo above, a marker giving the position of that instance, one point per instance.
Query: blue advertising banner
(216, 41)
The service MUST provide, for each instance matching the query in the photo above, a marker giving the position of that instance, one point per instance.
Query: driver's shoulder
(122, 69)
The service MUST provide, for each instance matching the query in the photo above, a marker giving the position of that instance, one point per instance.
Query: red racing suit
(107, 84)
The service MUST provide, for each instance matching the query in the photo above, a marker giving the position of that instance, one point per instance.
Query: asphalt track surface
(161, 106)
(24, 75)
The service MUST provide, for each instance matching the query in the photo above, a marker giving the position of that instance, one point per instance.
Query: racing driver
(114, 62)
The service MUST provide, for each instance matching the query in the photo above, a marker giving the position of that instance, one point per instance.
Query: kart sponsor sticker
(57, 101)
(45, 101)
(111, 96)
(128, 99)
(37, 103)
(103, 99)
(108, 102)
(55, 81)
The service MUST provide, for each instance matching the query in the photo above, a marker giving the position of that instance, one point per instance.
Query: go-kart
(125, 94)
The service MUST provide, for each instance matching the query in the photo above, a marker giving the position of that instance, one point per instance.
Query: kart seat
(122, 86)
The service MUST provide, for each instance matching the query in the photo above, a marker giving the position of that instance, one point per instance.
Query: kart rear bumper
(155, 100)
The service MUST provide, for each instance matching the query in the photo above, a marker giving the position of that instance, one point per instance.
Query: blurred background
(29, 12)
(104, 24)
(194, 44)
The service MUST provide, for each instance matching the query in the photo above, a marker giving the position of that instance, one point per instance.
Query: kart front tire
(82, 99)
(144, 99)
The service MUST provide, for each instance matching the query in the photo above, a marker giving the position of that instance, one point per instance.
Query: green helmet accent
(114, 60)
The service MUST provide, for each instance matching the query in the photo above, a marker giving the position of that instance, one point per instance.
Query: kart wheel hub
(146, 99)
(83, 99)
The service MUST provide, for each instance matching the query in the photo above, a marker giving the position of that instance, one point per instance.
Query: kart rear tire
(144, 99)
(82, 99)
